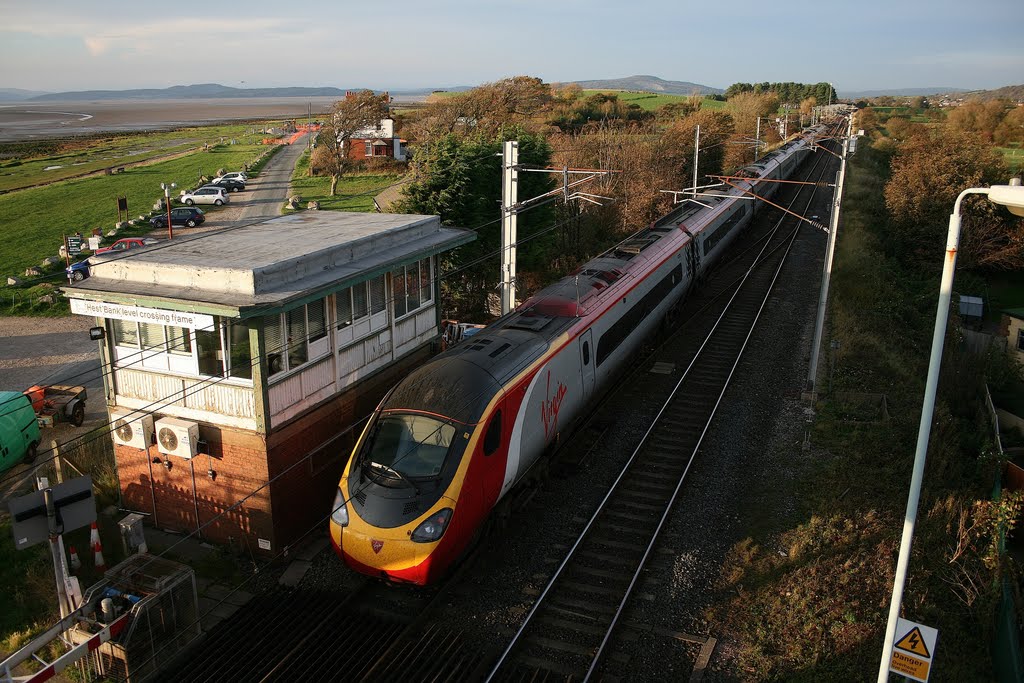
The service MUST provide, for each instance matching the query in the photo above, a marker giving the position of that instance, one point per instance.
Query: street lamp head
(1011, 196)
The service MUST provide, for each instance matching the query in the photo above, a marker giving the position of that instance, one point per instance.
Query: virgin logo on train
(550, 407)
(376, 545)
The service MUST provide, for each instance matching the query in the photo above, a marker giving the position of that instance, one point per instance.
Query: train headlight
(432, 527)
(339, 510)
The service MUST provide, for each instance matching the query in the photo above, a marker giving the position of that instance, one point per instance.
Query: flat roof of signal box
(250, 269)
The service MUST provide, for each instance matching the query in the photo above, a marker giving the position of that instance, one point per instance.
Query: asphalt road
(264, 195)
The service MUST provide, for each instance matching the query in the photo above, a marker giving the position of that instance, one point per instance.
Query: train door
(692, 257)
(587, 362)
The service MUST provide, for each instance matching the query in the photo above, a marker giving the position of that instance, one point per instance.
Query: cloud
(146, 36)
(96, 46)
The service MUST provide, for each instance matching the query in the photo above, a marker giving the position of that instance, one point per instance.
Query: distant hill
(897, 92)
(188, 92)
(17, 94)
(1007, 92)
(649, 84)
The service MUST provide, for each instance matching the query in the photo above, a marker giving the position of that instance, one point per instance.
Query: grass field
(355, 192)
(1013, 156)
(36, 219)
(85, 155)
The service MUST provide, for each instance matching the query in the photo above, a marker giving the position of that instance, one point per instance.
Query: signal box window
(360, 310)
(413, 287)
(295, 337)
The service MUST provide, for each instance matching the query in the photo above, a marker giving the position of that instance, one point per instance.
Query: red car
(127, 243)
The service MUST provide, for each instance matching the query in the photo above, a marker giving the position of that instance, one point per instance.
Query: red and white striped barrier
(79, 651)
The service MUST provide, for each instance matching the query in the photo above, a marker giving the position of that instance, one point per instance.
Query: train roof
(449, 386)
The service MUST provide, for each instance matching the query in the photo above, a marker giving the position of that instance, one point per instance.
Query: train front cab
(375, 526)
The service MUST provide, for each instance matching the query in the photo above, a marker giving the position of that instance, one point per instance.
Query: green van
(19, 431)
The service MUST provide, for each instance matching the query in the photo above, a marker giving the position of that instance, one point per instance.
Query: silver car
(206, 195)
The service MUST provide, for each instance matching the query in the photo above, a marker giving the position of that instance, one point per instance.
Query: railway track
(573, 623)
(375, 632)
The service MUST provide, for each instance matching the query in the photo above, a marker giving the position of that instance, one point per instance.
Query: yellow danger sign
(913, 649)
(914, 642)
(909, 666)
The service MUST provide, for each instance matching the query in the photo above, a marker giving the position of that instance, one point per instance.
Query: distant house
(376, 141)
(1013, 328)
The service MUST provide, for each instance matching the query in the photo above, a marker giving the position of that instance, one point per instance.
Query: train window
(586, 353)
(492, 439)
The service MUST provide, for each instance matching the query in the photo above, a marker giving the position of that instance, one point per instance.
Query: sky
(63, 45)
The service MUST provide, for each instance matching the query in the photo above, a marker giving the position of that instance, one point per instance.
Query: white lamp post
(1012, 197)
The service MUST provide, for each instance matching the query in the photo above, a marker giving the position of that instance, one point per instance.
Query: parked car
(189, 216)
(229, 184)
(78, 271)
(127, 243)
(208, 194)
(19, 430)
(237, 175)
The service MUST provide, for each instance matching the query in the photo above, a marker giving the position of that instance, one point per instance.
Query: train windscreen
(408, 445)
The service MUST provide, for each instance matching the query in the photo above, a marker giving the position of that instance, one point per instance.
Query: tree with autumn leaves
(357, 112)
(929, 170)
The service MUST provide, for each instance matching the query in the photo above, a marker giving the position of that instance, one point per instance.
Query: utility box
(133, 535)
(163, 607)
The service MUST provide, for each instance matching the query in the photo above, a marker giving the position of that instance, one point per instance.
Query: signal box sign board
(913, 649)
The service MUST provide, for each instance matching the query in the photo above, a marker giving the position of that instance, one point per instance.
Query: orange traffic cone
(97, 549)
(76, 564)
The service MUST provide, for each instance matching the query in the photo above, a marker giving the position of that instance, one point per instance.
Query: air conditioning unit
(131, 428)
(177, 437)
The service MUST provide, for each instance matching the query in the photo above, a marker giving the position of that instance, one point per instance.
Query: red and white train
(452, 438)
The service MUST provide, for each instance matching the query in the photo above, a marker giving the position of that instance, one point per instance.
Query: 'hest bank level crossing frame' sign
(100, 309)
(913, 649)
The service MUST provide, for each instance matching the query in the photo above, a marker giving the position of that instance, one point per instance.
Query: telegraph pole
(757, 139)
(509, 198)
(511, 207)
(696, 158)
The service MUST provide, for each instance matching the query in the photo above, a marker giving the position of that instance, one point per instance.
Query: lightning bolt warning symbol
(913, 642)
